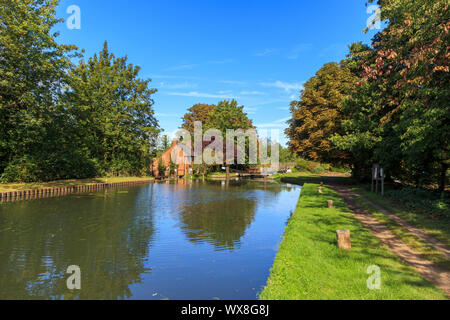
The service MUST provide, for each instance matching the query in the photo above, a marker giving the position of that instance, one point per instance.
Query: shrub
(24, 170)
(302, 165)
(426, 201)
(318, 169)
(340, 169)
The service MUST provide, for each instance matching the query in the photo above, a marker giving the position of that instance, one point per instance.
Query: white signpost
(377, 177)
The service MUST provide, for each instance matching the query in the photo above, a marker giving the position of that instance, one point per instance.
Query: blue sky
(204, 51)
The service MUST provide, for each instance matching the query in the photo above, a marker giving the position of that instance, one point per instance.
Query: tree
(400, 112)
(172, 168)
(113, 110)
(286, 155)
(199, 112)
(413, 58)
(317, 116)
(33, 71)
(228, 115)
(161, 168)
(165, 143)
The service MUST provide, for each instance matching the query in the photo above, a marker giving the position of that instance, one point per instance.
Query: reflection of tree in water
(222, 220)
(108, 237)
(222, 212)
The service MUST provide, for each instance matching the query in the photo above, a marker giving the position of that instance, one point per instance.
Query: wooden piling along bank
(62, 191)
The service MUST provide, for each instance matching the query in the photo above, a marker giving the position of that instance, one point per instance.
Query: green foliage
(303, 165)
(199, 112)
(318, 169)
(399, 115)
(33, 71)
(387, 103)
(286, 155)
(428, 202)
(114, 114)
(58, 121)
(161, 168)
(228, 115)
(202, 169)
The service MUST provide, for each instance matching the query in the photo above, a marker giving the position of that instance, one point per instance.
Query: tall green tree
(228, 115)
(33, 71)
(113, 108)
(400, 111)
(198, 112)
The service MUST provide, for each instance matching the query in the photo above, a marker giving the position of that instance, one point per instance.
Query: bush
(302, 165)
(24, 170)
(427, 201)
(340, 169)
(318, 169)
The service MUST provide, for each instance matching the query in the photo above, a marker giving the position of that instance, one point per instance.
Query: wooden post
(330, 204)
(320, 190)
(343, 239)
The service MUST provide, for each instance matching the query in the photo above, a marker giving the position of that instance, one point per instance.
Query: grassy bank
(310, 266)
(305, 177)
(422, 208)
(11, 187)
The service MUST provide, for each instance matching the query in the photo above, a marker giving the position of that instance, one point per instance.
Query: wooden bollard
(330, 204)
(343, 239)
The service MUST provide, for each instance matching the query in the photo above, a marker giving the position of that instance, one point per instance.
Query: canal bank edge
(309, 265)
(61, 191)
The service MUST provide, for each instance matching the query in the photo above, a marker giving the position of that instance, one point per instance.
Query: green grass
(10, 187)
(214, 175)
(301, 178)
(310, 266)
(433, 216)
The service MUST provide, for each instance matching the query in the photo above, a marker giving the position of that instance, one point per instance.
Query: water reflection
(183, 240)
(106, 234)
(221, 213)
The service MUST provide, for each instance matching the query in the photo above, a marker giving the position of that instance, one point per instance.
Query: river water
(185, 240)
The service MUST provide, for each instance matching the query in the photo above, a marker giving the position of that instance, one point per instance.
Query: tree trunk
(228, 172)
(443, 177)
